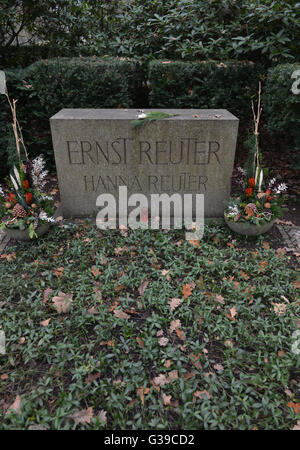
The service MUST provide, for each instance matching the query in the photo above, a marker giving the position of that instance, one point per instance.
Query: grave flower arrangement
(261, 198)
(24, 204)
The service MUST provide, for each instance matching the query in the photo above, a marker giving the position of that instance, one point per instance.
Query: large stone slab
(98, 150)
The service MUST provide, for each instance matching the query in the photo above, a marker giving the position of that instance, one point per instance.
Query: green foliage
(281, 105)
(51, 85)
(149, 117)
(266, 31)
(216, 29)
(16, 90)
(246, 365)
(204, 84)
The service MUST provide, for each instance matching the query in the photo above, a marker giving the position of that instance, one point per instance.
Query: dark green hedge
(204, 84)
(281, 105)
(67, 83)
(46, 86)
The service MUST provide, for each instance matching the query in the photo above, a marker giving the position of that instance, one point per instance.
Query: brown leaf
(121, 314)
(8, 256)
(296, 284)
(92, 377)
(15, 406)
(95, 271)
(58, 272)
(203, 395)
(92, 311)
(174, 324)
(186, 290)
(120, 287)
(46, 294)
(295, 406)
(62, 302)
(167, 399)
(173, 375)
(143, 287)
(174, 303)
(219, 299)
(83, 416)
(163, 341)
(266, 245)
(281, 353)
(188, 375)
(140, 342)
(180, 334)
(297, 426)
(232, 313)
(45, 323)
(218, 367)
(160, 380)
(279, 308)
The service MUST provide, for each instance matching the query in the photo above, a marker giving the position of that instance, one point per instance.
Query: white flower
(271, 182)
(37, 173)
(43, 216)
(14, 183)
(142, 116)
(281, 188)
(233, 210)
(261, 177)
(17, 176)
(241, 170)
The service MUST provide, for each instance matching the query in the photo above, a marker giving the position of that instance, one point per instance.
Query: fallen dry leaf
(167, 399)
(45, 323)
(92, 377)
(8, 256)
(186, 290)
(15, 406)
(203, 395)
(174, 303)
(83, 416)
(294, 406)
(121, 314)
(296, 284)
(174, 324)
(297, 426)
(95, 271)
(62, 302)
(58, 271)
(218, 367)
(46, 294)
(232, 313)
(92, 311)
(143, 287)
(163, 341)
(279, 308)
(140, 342)
(219, 299)
(160, 380)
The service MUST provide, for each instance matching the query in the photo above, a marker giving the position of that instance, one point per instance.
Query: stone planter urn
(249, 229)
(23, 235)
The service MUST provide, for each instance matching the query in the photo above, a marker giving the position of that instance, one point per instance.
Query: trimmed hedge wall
(67, 83)
(281, 105)
(204, 84)
(46, 86)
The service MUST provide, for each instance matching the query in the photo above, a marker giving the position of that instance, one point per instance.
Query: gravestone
(98, 150)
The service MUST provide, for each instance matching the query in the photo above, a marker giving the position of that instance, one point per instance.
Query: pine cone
(18, 211)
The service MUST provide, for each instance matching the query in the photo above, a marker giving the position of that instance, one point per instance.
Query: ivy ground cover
(144, 330)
